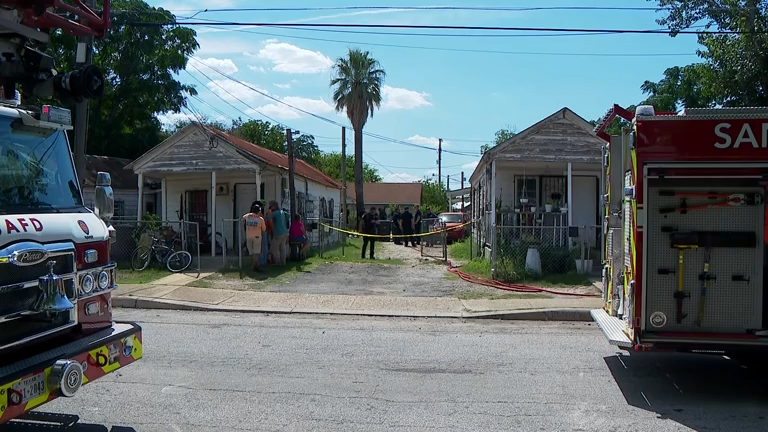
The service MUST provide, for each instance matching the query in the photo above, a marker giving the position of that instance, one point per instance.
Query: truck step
(612, 328)
(38, 420)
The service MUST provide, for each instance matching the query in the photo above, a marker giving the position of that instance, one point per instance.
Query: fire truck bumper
(61, 371)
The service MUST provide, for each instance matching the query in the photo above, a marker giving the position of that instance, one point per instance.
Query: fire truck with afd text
(56, 273)
(685, 231)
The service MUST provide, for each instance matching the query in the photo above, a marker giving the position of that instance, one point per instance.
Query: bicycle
(164, 254)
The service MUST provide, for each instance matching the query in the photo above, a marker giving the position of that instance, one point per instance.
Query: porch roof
(562, 137)
(195, 153)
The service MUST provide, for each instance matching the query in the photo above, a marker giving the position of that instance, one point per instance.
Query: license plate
(31, 388)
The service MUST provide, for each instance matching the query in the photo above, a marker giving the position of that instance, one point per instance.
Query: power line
(426, 8)
(468, 50)
(327, 120)
(449, 27)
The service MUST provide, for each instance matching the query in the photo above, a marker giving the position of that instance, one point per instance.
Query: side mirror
(104, 199)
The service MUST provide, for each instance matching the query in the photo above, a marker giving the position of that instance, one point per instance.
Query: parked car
(453, 220)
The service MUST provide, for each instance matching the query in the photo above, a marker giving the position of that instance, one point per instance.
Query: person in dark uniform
(396, 226)
(406, 226)
(417, 226)
(368, 226)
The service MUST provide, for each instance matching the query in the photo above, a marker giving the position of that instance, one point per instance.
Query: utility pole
(462, 191)
(83, 57)
(448, 192)
(439, 161)
(343, 178)
(291, 172)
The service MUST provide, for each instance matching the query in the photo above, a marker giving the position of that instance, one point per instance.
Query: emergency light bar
(57, 115)
(50, 117)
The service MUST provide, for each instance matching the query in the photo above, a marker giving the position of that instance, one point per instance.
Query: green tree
(499, 137)
(734, 71)
(434, 196)
(273, 137)
(356, 83)
(330, 164)
(140, 64)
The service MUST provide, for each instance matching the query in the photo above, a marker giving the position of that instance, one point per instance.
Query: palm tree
(357, 89)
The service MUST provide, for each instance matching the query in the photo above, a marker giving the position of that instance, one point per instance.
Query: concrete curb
(521, 315)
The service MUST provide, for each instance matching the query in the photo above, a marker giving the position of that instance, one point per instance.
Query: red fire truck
(685, 231)
(56, 274)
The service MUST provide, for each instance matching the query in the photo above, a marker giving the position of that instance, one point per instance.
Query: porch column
(570, 194)
(213, 213)
(140, 209)
(493, 205)
(164, 200)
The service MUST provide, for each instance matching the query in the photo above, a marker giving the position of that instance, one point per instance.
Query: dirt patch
(417, 277)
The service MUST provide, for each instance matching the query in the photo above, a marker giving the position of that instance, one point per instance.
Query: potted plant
(548, 206)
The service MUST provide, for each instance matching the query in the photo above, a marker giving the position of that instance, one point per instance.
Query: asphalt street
(226, 372)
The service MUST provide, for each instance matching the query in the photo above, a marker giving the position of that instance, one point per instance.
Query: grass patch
(125, 275)
(201, 283)
(482, 267)
(460, 250)
(280, 274)
(483, 295)
(351, 254)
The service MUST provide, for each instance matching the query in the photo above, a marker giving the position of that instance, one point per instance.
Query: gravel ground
(418, 277)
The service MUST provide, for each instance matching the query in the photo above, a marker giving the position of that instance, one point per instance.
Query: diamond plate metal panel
(730, 306)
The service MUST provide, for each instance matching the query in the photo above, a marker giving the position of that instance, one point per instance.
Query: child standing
(254, 231)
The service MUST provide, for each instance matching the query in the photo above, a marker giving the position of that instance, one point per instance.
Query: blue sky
(450, 92)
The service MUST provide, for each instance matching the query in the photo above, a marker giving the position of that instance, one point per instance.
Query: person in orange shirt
(254, 230)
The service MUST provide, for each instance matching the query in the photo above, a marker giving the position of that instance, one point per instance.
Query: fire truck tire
(140, 258)
(179, 261)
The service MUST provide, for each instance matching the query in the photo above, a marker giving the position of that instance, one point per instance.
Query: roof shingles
(389, 193)
(279, 160)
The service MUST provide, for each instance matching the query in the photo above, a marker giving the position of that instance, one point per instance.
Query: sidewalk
(171, 292)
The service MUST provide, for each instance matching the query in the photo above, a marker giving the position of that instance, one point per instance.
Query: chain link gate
(433, 240)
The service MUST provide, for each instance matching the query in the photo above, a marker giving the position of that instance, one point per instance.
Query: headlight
(103, 280)
(87, 284)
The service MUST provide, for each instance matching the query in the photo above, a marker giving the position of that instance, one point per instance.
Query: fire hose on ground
(522, 288)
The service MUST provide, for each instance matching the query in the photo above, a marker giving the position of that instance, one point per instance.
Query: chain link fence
(320, 233)
(433, 245)
(527, 252)
(131, 234)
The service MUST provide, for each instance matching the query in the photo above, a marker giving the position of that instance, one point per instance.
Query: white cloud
(278, 110)
(212, 65)
(401, 98)
(292, 59)
(471, 166)
(430, 141)
(283, 86)
(231, 91)
(400, 178)
(171, 118)
(226, 45)
(256, 68)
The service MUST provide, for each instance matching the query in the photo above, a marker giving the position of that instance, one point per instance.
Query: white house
(540, 182)
(208, 176)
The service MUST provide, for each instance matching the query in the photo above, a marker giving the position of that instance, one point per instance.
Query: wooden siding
(126, 202)
(560, 140)
(192, 153)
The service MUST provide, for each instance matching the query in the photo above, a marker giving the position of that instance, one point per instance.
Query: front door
(197, 211)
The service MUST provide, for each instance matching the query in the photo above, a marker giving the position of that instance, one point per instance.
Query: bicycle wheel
(140, 258)
(178, 261)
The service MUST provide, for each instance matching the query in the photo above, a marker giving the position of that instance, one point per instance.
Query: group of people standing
(406, 227)
(268, 235)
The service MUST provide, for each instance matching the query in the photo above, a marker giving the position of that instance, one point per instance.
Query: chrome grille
(13, 275)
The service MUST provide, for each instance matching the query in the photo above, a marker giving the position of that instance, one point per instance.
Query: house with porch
(541, 187)
(212, 178)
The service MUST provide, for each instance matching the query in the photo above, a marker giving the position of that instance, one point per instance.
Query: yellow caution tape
(392, 236)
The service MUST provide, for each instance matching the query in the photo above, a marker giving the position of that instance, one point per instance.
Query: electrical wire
(466, 50)
(448, 27)
(426, 8)
(333, 122)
